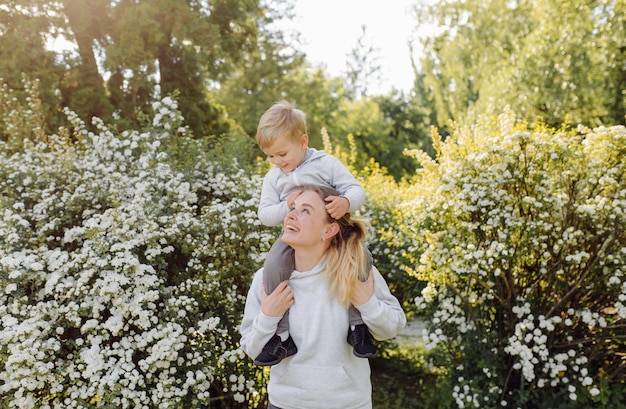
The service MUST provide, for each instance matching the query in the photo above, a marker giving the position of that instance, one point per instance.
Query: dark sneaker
(362, 342)
(275, 351)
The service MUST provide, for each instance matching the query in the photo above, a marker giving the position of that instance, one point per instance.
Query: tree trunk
(85, 18)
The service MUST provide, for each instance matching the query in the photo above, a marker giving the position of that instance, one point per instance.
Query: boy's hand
(292, 196)
(337, 206)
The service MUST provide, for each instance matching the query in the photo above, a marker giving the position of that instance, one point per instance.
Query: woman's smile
(291, 228)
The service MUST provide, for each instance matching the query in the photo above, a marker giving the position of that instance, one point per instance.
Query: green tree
(262, 77)
(23, 52)
(275, 70)
(552, 61)
(381, 128)
(369, 130)
(362, 67)
(88, 21)
(128, 53)
(411, 119)
(170, 46)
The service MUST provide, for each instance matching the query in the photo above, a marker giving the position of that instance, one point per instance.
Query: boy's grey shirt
(317, 168)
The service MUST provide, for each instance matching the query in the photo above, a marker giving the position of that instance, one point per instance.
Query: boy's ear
(304, 141)
(331, 231)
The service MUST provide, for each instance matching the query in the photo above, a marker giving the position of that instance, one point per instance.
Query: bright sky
(331, 28)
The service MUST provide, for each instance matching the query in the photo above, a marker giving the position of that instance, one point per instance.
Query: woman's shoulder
(257, 277)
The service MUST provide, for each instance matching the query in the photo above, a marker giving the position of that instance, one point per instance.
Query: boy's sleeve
(347, 185)
(271, 211)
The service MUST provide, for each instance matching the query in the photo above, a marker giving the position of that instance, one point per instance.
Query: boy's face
(286, 153)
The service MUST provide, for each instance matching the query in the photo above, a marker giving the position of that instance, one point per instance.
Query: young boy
(281, 135)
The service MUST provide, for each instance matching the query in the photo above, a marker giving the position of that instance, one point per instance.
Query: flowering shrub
(520, 235)
(124, 261)
(21, 118)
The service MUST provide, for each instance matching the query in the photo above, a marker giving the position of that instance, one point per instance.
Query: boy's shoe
(275, 351)
(362, 341)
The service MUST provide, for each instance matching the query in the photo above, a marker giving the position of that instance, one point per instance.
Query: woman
(323, 372)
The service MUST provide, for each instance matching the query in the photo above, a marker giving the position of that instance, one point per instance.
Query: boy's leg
(354, 316)
(278, 267)
(358, 333)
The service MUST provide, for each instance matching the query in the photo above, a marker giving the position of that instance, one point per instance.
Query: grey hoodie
(317, 168)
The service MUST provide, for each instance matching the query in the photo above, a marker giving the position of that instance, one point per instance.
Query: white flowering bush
(124, 262)
(21, 117)
(520, 234)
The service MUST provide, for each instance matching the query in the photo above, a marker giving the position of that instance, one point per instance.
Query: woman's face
(308, 222)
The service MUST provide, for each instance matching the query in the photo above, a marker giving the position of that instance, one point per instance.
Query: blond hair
(346, 258)
(281, 119)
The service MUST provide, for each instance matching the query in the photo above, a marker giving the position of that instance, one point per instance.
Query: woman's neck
(306, 260)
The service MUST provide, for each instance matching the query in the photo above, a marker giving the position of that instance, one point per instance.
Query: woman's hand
(278, 302)
(363, 291)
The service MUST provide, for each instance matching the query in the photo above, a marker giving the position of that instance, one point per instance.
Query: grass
(402, 379)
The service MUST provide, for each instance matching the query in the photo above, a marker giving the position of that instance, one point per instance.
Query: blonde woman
(329, 254)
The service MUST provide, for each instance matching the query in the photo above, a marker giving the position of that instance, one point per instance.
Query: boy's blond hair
(281, 119)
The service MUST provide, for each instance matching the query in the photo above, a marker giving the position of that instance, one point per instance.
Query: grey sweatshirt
(317, 168)
(324, 373)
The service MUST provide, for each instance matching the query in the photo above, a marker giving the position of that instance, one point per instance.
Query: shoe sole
(274, 362)
(364, 355)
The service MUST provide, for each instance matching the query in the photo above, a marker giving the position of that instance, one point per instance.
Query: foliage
(123, 55)
(249, 93)
(549, 60)
(124, 263)
(362, 67)
(262, 78)
(227, 60)
(364, 120)
(403, 379)
(23, 52)
(520, 235)
(21, 118)
(382, 128)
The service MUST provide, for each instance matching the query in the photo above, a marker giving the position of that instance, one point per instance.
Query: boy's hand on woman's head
(292, 196)
(337, 206)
